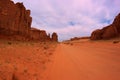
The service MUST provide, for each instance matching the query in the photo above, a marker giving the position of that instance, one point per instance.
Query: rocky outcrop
(108, 32)
(55, 37)
(96, 34)
(116, 23)
(40, 35)
(14, 18)
(79, 38)
(15, 23)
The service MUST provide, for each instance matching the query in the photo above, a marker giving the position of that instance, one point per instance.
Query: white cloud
(72, 17)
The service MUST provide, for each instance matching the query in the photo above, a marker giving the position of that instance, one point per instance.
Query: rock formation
(78, 38)
(14, 18)
(54, 37)
(15, 23)
(108, 32)
(40, 35)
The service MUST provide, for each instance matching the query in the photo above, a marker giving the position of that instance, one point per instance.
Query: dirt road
(84, 62)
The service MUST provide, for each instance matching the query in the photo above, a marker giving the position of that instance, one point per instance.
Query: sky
(71, 18)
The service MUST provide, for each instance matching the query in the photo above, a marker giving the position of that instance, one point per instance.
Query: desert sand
(85, 60)
(24, 60)
(72, 60)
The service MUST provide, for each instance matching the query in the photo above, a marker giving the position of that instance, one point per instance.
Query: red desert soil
(24, 60)
(85, 60)
(75, 60)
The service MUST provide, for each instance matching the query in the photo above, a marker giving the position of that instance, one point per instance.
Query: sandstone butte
(108, 32)
(15, 23)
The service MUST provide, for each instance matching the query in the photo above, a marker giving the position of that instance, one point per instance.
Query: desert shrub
(116, 42)
(25, 71)
(9, 43)
(45, 47)
(14, 77)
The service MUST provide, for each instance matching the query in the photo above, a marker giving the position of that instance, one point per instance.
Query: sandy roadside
(76, 60)
(24, 60)
(85, 60)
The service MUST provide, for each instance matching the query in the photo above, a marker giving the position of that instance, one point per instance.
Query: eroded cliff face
(116, 23)
(108, 32)
(39, 35)
(15, 23)
(14, 18)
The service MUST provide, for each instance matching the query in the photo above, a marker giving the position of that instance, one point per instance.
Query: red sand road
(85, 62)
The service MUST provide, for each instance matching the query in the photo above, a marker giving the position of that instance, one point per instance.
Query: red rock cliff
(108, 32)
(14, 18)
(15, 23)
(40, 35)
